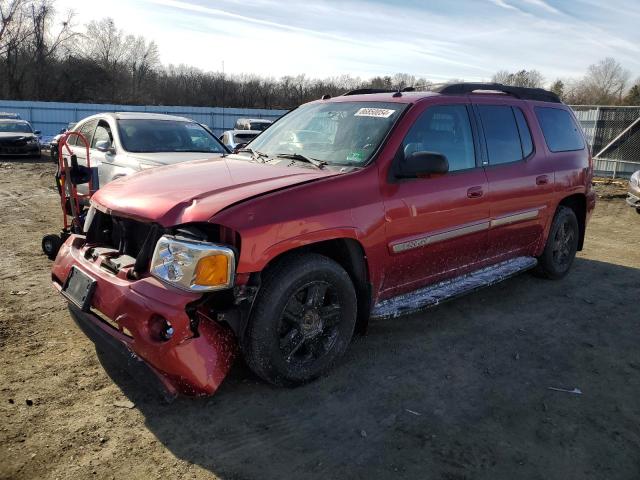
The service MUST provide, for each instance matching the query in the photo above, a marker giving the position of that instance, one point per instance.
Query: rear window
(245, 137)
(560, 130)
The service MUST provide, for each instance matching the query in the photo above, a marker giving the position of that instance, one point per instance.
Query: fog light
(160, 328)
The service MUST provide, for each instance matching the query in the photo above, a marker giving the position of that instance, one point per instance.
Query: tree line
(47, 57)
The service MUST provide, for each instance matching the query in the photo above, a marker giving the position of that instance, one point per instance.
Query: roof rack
(366, 91)
(523, 93)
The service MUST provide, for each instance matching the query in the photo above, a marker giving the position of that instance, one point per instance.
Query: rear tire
(50, 245)
(638, 210)
(562, 245)
(302, 320)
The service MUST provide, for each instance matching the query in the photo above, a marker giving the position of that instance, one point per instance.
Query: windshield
(17, 127)
(149, 136)
(340, 133)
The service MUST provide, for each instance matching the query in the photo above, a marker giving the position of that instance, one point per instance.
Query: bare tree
(521, 78)
(605, 81)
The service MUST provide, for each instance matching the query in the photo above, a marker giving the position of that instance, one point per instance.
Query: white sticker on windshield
(374, 112)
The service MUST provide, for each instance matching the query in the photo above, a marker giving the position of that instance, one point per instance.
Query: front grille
(129, 237)
(13, 142)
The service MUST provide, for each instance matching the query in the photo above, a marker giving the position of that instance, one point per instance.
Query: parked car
(127, 142)
(17, 138)
(633, 197)
(258, 124)
(396, 201)
(53, 145)
(233, 139)
(10, 116)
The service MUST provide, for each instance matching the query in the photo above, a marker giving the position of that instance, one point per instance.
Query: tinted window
(443, 129)
(501, 134)
(166, 136)
(525, 133)
(103, 134)
(560, 130)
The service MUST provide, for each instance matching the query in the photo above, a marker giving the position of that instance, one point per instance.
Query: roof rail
(523, 93)
(365, 91)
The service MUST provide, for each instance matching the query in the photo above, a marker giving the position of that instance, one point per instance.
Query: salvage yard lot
(460, 391)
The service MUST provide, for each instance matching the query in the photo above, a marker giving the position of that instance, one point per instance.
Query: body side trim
(438, 237)
(515, 217)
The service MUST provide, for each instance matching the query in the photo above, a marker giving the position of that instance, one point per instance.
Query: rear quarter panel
(573, 170)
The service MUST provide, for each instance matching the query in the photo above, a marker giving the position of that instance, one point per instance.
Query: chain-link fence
(613, 134)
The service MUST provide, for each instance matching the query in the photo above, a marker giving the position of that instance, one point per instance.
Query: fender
(305, 239)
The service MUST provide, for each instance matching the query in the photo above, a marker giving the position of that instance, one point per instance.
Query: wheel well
(351, 256)
(577, 203)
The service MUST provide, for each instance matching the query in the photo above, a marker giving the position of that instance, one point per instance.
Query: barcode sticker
(374, 112)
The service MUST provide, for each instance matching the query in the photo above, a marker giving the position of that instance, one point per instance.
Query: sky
(438, 40)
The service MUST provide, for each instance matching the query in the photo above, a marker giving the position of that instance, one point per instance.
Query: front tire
(562, 245)
(302, 320)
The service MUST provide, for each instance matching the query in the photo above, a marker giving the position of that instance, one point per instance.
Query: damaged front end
(166, 299)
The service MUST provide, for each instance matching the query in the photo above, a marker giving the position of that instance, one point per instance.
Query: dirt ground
(459, 392)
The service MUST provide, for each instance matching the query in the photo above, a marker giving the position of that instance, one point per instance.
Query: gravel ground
(459, 392)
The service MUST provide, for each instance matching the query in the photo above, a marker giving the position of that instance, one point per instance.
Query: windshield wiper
(255, 155)
(303, 158)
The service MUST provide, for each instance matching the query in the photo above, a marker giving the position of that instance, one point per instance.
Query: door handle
(475, 192)
(542, 179)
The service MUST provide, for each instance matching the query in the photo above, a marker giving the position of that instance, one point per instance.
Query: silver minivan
(122, 143)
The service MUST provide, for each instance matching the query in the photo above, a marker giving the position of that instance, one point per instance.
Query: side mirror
(104, 146)
(420, 164)
(240, 146)
(37, 132)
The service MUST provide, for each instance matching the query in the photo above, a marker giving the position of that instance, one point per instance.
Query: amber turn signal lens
(212, 271)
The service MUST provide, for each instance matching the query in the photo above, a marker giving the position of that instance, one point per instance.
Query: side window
(525, 133)
(444, 129)
(102, 134)
(500, 133)
(74, 138)
(560, 130)
(86, 130)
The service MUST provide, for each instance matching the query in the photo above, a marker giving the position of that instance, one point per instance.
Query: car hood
(169, 158)
(195, 191)
(15, 135)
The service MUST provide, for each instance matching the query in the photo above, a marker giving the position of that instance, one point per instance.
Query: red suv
(371, 204)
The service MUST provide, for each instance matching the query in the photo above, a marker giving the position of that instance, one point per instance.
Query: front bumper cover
(633, 200)
(121, 318)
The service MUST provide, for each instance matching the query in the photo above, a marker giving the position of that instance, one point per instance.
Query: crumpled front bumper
(121, 318)
(633, 200)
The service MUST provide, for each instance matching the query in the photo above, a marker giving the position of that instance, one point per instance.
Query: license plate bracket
(78, 289)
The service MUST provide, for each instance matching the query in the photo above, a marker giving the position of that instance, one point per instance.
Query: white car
(127, 142)
(260, 124)
(232, 139)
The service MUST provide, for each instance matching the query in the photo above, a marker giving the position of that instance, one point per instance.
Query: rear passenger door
(520, 176)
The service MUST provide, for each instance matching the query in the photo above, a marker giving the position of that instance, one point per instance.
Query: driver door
(437, 227)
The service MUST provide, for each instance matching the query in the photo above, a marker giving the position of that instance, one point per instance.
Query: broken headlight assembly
(193, 265)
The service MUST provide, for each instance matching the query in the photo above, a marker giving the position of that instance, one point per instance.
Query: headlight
(192, 265)
(32, 140)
